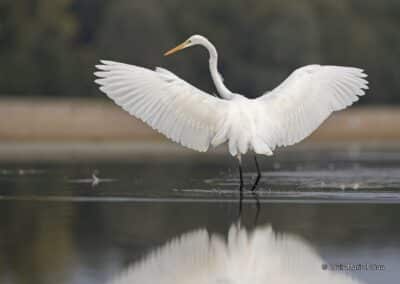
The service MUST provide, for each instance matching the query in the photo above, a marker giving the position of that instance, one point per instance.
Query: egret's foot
(240, 185)
(240, 195)
(254, 187)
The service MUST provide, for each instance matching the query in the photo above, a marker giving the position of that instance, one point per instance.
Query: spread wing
(167, 103)
(294, 109)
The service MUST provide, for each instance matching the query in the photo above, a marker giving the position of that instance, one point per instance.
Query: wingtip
(107, 62)
(98, 74)
(98, 81)
(362, 72)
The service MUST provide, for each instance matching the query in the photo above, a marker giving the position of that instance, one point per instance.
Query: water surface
(86, 222)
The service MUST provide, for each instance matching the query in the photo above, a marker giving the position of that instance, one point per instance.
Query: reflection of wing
(246, 258)
(167, 103)
(295, 108)
(193, 258)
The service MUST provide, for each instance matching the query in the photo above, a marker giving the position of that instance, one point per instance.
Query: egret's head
(193, 40)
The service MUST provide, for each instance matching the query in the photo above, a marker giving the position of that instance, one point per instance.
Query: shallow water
(87, 222)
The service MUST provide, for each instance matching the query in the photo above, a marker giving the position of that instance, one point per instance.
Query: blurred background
(48, 49)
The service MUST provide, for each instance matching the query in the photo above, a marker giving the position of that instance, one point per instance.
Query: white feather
(284, 116)
(294, 109)
(175, 108)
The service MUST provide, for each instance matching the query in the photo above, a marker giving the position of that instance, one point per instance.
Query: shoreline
(14, 152)
(37, 128)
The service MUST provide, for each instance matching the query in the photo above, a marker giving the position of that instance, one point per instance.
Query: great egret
(280, 117)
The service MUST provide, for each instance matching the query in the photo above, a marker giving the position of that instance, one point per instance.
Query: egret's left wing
(295, 108)
(167, 103)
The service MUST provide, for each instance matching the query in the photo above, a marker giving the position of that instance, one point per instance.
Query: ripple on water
(357, 179)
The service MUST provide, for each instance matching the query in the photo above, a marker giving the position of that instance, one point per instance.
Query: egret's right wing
(167, 103)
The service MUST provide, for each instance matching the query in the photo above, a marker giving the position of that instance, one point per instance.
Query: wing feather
(294, 109)
(167, 103)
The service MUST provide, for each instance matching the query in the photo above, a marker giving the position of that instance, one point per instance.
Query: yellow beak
(176, 48)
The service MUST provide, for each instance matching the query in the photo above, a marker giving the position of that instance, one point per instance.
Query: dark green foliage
(50, 46)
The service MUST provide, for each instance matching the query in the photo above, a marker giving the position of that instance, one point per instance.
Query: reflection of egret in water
(260, 256)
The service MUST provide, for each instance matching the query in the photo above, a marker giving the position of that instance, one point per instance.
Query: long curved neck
(217, 78)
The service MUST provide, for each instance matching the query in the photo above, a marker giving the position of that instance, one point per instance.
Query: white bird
(242, 257)
(280, 117)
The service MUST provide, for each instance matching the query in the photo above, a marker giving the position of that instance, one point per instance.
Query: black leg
(241, 178)
(253, 188)
(240, 186)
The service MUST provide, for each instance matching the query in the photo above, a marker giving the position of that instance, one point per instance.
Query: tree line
(50, 47)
